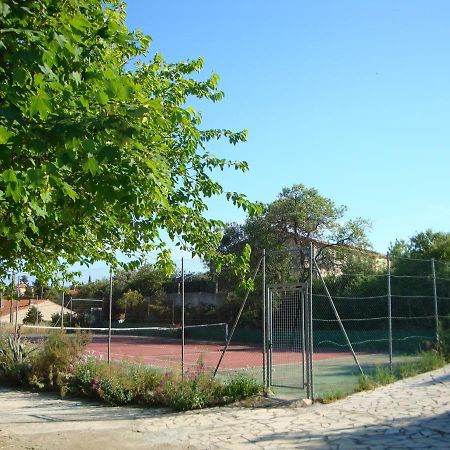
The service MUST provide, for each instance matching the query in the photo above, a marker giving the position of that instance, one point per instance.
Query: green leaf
(9, 175)
(19, 76)
(80, 22)
(13, 190)
(4, 9)
(61, 39)
(33, 227)
(5, 134)
(91, 165)
(41, 212)
(40, 104)
(4, 230)
(46, 196)
(35, 176)
(101, 97)
(68, 190)
(75, 76)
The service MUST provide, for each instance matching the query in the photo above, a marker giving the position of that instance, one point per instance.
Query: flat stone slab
(409, 414)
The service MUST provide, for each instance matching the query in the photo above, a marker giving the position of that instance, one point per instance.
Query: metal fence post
(311, 329)
(16, 322)
(62, 308)
(264, 318)
(11, 297)
(182, 318)
(389, 309)
(436, 310)
(110, 315)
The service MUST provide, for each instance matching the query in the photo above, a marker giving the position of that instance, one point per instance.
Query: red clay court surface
(168, 353)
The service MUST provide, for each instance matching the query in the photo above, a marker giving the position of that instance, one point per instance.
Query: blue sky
(351, 97)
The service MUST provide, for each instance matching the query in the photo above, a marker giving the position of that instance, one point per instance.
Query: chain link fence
(388, 307)
(307, 328)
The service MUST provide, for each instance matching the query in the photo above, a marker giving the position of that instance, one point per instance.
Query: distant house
(22, 289)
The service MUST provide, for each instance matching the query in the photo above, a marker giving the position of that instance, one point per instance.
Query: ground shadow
(32, 407)
(403, 433)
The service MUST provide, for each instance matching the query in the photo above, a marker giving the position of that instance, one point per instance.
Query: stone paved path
(409, 414)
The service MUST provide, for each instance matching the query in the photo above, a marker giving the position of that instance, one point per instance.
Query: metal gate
(286, 336)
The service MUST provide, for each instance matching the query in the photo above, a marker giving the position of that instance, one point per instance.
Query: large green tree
(298, 215)
(425, 244)
(99, 148)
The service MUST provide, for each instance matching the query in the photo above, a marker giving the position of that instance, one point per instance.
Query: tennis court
(160, 348)
(166, 354)
(333, 369)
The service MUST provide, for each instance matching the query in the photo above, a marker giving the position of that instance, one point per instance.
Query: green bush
(430, 360)
(332, 396)
(33, 316)
(14, 359)
(383, 376)
(58, 352)
(238, 388)
(60, 363)
(444, 340)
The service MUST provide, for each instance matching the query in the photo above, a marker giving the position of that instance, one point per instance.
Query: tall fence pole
(62, 308)
(307, 335)
(230, 336)
(389, 309)
(16, 323)
(110, 314)
(264, 318)
(182, 319)
(350, 346)
(436, 310)
(13, 277)
(310, 318)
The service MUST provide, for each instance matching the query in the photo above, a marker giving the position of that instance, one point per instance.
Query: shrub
(56, 319)
(116, 384)
(61, 363)
(332, 396)
(58, 352)
(383, 376)
(14, 359)
(444, 341)
(365, 383)
(238, 388)
(33, 316)
(426, 361)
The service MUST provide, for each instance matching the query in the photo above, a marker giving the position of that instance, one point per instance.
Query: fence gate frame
(294, 323)
(305, 287)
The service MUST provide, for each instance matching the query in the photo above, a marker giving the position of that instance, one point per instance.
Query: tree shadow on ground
(32, 407)
(403, 433)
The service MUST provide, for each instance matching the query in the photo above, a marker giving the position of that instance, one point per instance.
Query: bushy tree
(299, 215)
(33, 316)
(99, 148)
(132, 303)
(426, 244)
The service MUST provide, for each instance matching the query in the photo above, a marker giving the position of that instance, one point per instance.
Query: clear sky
(351, 97)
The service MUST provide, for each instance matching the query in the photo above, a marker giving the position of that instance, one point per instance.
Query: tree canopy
(99, 148)
(426, 244)
(299, 214)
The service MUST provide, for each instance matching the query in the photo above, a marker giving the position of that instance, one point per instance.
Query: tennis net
(156, 346)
